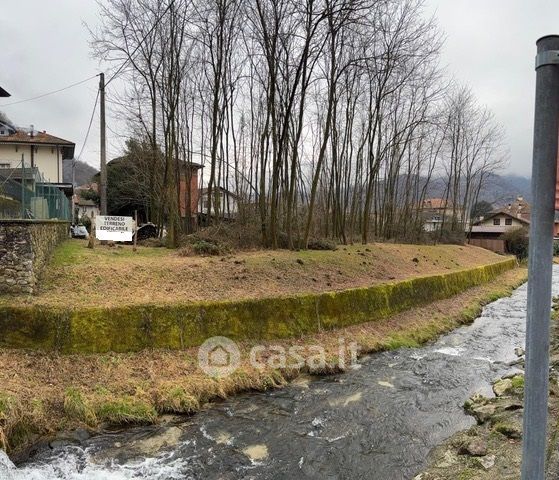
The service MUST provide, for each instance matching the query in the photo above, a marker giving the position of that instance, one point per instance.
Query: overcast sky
(490, 46)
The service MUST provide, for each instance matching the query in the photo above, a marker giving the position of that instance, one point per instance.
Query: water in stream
(378, 421)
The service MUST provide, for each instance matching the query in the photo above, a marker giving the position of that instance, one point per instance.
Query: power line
(49, 93)
(140, 43)
(88, 128)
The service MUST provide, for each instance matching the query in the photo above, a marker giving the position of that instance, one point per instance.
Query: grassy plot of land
(41, 393)
(105, 276)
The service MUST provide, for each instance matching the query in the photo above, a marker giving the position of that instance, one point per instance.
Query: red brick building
(189, 176)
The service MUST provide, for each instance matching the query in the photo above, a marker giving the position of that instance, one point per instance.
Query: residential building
(435, 210)
(189, 174)
(488, 231)
(86, 208)
(228, 202)
(520, 208)
(82, 204)
(35, 149)
(33, 160)
(3, 93)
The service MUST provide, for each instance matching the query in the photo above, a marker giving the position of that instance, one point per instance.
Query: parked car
(79, 231)
(147, 230)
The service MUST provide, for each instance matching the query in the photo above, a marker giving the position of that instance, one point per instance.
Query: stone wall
(25, 246)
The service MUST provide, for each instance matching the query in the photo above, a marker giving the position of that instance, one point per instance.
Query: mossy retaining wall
(178, 326)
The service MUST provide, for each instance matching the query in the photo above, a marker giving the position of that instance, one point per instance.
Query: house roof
(491, 228)
(182, 164)
(38, 138)
(87, 186)
(21, 137)
(502, 211)
(3, 93)
(436, 203)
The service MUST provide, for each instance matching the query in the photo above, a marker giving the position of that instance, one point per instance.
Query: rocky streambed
(493, 447)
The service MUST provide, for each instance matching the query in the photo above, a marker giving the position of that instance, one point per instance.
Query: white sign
(117, 229)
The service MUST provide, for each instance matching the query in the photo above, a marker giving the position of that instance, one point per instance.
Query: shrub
(452, 237)
(516, 242)
(151, 242)
(203, 247)
(322, 244)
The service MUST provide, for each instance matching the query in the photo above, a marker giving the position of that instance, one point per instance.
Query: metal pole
(103, 175)
(23, 185)
(540, 260)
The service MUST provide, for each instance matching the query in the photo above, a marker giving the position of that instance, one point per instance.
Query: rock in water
(6, 466)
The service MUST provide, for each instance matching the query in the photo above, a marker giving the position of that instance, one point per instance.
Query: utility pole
(540, 258)
(103, 173)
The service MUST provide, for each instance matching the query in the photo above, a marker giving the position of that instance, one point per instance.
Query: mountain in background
(83, 172)
(507, 185)
(499, 190)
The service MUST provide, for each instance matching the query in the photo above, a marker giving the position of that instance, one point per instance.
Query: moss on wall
(178, 326)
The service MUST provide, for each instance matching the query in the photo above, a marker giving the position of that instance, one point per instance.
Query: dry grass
(78, 276)
(132, 388)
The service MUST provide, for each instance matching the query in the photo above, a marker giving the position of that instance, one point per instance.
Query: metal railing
(25, 195)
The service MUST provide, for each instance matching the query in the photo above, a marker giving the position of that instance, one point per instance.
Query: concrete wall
(25, 246)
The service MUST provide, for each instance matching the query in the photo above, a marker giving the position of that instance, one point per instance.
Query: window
(4, 165)
(508, 221)
(496, 221)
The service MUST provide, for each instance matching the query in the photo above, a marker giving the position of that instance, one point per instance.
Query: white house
(87, 208)
(228, 202)
(37, 150)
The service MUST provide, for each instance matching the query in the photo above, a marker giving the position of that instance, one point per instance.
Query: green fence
(24, 194)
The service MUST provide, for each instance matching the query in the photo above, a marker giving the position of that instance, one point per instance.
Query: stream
(377, 421)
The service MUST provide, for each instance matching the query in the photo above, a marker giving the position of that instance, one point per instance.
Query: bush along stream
(379, 420)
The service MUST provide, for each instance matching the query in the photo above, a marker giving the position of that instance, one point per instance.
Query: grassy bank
(182, 325)
(42, 393)
(108, 277)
